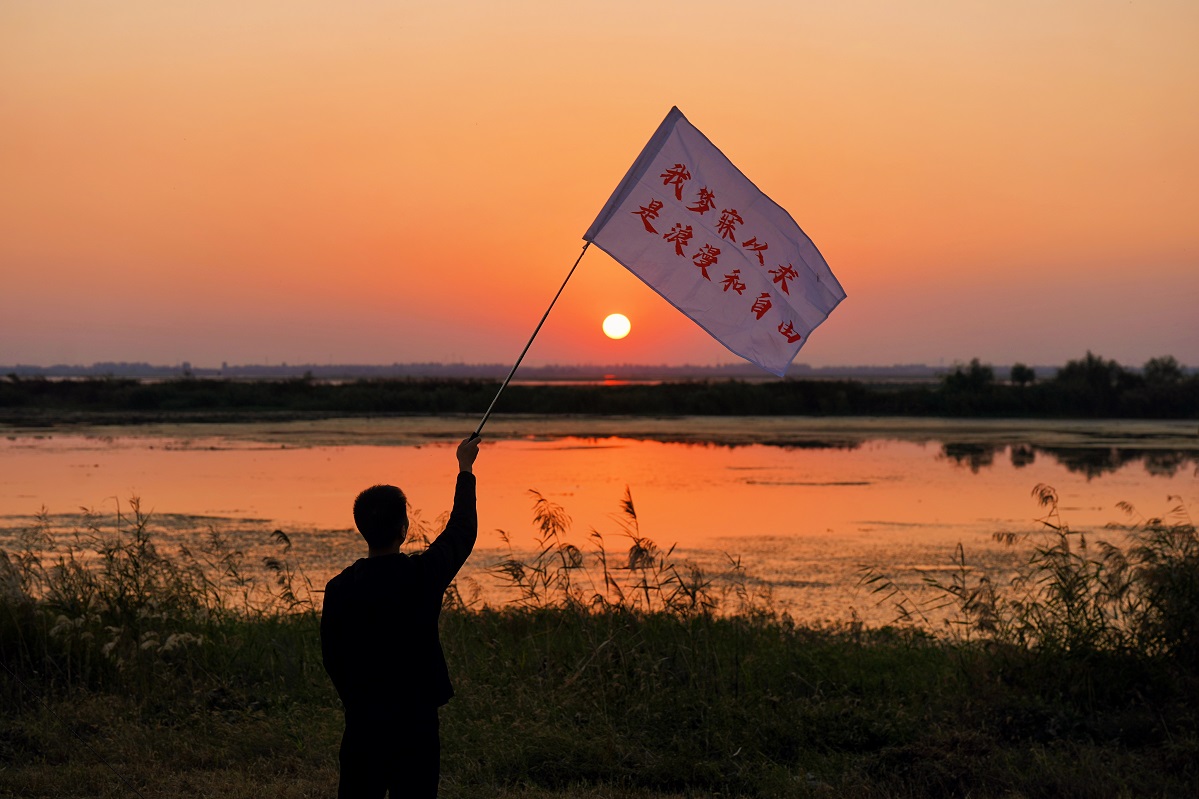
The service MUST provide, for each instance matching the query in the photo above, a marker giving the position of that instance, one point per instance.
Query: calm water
(802, 515)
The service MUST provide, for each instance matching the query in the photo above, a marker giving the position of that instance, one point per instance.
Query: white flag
(698, 232)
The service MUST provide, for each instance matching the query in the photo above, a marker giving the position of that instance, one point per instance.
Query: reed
(643, 578)
(1087, 622)
(105, 609)
(616, 671)
(1076, 595)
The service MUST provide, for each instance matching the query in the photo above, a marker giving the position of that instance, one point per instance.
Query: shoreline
(784, 431)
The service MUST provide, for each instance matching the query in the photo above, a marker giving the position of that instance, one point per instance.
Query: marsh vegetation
(615, 670)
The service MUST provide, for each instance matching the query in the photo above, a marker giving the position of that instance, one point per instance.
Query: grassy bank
(666, 706)
(615, 674)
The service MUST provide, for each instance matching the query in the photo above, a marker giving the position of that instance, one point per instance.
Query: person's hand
(468, 450)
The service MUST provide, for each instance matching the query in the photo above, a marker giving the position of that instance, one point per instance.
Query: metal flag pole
(508, 379)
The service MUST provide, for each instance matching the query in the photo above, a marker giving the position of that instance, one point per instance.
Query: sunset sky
(378, 182)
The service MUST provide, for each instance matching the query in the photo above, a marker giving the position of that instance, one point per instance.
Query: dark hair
(381, 513)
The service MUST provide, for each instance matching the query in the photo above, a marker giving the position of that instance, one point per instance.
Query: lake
(803, 502)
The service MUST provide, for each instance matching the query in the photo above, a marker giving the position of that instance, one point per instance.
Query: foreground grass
(127, 672)
(563, 702)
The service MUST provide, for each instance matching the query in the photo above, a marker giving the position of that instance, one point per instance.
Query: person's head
(381, 514)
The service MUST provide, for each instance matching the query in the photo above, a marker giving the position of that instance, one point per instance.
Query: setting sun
(616, 325)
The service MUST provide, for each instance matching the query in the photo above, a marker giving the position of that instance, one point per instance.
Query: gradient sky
(373, 182)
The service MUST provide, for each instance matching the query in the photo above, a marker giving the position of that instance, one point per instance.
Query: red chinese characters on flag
(774, 287)
(788, 330)
(680, 235)
(648, 212)
(706, 256)
(705, 202)
(733, 281)
(729, 219)
(758, 248)
(677, 175)
(783, 274)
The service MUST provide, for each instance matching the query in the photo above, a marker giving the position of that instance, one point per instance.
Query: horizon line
(185, 367)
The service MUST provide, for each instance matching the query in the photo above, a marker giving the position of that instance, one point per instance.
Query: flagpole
(544, 316)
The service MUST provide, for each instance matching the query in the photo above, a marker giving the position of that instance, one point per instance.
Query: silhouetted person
(380, 643)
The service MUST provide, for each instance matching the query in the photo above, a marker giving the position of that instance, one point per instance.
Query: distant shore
(914, 372)
(787, 431)
(1088, 389)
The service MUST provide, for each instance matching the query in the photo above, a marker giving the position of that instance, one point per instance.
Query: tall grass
(105, 608)
(1075, 594)
(643, 578)
(1099, 625)
(619, 665)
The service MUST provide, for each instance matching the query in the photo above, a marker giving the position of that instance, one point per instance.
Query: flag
(689, 224)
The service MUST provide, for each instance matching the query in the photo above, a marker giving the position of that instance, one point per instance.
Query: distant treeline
(482, 371)
(1091, 387)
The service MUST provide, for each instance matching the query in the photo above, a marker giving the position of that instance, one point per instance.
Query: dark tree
(1093, 373)
(1022, 375)
(974, 377)
(1163, 371)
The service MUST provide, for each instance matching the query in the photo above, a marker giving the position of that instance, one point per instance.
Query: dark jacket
(379, 636)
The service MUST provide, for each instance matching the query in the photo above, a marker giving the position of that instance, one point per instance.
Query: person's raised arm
(449, 551)
(468, 450)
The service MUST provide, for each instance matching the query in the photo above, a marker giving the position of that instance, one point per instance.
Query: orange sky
(384, 181)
